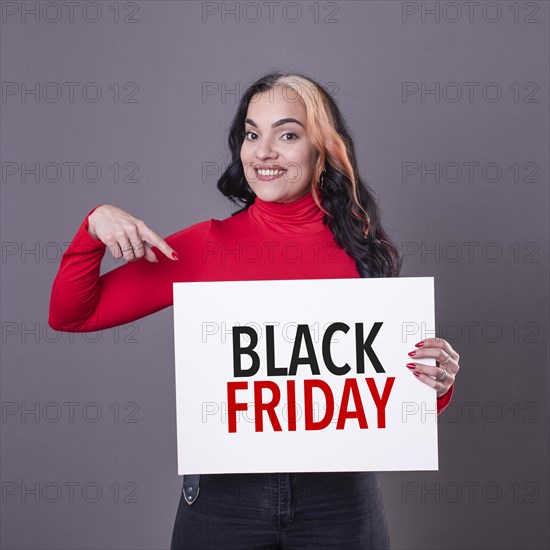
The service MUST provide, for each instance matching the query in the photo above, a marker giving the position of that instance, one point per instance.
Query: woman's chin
(273, 194)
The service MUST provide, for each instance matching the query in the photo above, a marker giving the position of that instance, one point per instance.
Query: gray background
(492, 487)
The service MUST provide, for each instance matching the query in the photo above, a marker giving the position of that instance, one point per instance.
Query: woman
(294, 171)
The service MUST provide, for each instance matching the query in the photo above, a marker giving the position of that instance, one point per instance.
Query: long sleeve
(444, 400)
(82, 300)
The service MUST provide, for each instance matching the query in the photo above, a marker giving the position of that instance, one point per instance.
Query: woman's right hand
(125, 236)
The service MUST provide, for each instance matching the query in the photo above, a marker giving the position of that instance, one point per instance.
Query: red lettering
(351, 404)
(232, 406)
(351, 387)
(308, 404)
(291, 399)
(381, 402)
(269, 407)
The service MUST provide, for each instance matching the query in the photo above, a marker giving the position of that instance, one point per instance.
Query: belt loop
(191, 487)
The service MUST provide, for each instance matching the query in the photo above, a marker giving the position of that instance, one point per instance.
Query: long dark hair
(350, 205)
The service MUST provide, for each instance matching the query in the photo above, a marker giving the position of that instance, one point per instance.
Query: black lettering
(272, 370)
(365, 347)
(238, 350)
(334, 369)
(302, 333)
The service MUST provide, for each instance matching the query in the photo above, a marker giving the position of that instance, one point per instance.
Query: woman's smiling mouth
(269, 174)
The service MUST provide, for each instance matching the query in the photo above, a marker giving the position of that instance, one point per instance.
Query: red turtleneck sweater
(266, 241)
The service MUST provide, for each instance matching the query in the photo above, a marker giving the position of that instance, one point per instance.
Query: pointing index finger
(160, 243)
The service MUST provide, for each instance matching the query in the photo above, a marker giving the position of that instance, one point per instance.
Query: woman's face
(278, 157)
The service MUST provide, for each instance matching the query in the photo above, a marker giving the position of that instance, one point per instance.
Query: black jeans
(302, 511)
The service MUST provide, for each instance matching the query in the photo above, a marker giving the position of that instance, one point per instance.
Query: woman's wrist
(90, 225)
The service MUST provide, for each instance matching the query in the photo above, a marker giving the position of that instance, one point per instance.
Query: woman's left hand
(446, 364)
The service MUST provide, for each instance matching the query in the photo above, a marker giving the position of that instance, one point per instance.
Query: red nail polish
(416, 373)
(175, 256)
(411, 365)
(412, 353)
(419, 345)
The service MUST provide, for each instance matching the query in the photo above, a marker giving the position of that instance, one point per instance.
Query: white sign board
(303, 376)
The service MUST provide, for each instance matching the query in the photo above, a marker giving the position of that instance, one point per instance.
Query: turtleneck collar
(299, 217)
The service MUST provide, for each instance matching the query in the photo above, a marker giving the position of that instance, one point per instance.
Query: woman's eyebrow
(278, 123)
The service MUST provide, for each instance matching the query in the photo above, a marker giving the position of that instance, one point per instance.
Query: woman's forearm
(76, 287)
(82, 300)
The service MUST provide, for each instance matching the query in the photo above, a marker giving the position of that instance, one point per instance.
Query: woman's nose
(265, 149)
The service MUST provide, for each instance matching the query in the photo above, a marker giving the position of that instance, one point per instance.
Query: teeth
(267, 173)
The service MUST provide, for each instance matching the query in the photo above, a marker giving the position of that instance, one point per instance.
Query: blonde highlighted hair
(322, 131)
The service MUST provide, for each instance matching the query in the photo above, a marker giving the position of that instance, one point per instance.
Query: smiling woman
(278, 157)
(290, 122)
(294, 173)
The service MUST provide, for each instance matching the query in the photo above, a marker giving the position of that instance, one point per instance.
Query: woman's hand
(126, 236)
(446, 364)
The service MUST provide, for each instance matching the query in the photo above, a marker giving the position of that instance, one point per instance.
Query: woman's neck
(299, 217)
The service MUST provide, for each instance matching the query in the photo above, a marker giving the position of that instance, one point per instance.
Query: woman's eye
(251, 136)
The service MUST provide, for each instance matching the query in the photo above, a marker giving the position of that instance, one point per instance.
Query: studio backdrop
(129, 104)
